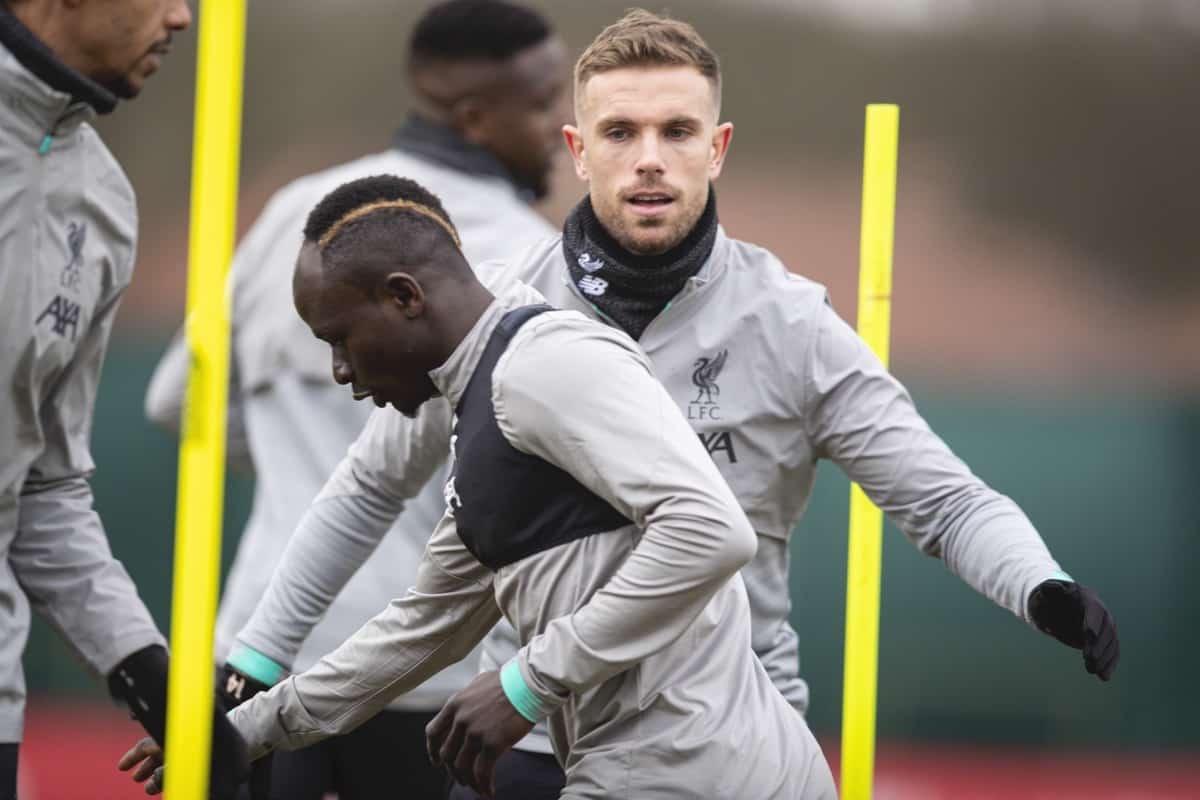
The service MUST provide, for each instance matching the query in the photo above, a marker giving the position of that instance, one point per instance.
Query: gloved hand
(1073, 614)
(234, 687)
(141, 682)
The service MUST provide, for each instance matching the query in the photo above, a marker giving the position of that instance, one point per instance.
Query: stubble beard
(677, 231)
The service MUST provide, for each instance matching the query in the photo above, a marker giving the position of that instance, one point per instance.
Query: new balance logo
(719, 442)
(589, 263)
(592, 286)
(65, 314)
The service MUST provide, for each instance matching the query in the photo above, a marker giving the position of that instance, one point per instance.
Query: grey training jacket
(636, 639)
(68, 227)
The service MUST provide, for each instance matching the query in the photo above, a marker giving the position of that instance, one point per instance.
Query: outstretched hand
(473, 729)
(146, 760)
(1073, 614)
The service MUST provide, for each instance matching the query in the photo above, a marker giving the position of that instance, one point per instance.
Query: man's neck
(469, 306)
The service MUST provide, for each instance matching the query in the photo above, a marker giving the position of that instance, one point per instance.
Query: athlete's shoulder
(104, 165)
(113, 199)
(527, 264)
(758, 266)
(559, 343)
(761, 286)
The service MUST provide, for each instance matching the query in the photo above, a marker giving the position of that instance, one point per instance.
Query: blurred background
(1046, 317)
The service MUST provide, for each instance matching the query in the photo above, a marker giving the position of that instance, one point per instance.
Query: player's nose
(650, 157)
(179, 16)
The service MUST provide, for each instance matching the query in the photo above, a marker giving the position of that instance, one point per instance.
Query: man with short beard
(68, 227)
(768, 375)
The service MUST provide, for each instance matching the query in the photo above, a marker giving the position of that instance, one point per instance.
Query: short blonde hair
(644, 39)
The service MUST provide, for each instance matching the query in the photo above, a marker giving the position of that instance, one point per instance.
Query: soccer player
(613, 550)
(68, 231)
(489, 79)
(770, 378)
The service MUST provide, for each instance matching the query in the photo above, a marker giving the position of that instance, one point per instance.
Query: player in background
(769, 376)
(488, 78)
(613, 550)
(68, 233)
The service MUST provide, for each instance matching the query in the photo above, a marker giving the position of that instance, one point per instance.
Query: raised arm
(864, 420)
(860, 416)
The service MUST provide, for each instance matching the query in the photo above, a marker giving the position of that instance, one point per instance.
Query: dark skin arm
(475, 727)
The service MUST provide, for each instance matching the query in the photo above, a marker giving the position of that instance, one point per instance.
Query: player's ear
(722, 136)
(405, 293)
(574, 140)
(470, 115)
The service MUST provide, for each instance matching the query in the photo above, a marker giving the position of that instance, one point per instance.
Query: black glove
(140, 681)
(234, 688)
(1074, 615)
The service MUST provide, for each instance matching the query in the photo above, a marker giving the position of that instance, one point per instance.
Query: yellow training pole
(866, 521)
(202, 447)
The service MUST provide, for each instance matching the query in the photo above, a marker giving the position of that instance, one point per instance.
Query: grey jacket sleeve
(168, 390)
(60, 554)
(863, 419)
(444, 615)
(389, 463)
(584, 399)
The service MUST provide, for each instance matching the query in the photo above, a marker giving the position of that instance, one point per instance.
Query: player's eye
(617, 135)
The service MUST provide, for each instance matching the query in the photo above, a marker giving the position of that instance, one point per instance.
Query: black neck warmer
(632, 289)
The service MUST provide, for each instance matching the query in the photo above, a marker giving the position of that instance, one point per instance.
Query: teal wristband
(522, 699)
(254, 664)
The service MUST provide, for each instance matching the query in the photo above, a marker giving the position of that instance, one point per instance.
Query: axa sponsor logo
(63, 315)
(718, 442)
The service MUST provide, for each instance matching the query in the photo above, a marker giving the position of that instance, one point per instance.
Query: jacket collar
(445, 146)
